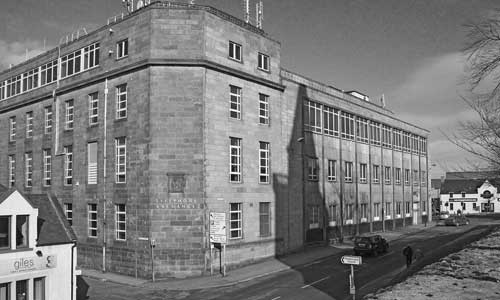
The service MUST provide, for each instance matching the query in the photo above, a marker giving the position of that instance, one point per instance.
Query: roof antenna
(259, 15)
(246, 4)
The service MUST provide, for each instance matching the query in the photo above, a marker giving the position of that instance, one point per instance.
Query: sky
(407, 50)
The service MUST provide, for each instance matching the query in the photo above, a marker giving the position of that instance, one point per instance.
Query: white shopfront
(485, 200)
(29, 271)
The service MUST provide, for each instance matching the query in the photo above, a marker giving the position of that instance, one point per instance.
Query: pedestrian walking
(408, 252)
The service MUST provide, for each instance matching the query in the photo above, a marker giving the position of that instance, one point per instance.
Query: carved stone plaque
(176, 182)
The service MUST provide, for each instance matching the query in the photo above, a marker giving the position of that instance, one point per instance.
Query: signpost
(218, 239)
(351, 260)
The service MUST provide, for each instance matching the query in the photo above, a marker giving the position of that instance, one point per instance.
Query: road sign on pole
(218, 228)
(351, 260)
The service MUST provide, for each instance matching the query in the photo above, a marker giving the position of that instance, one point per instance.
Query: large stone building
(144, 126)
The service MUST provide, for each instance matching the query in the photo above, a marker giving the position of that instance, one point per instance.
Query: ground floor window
(376, 211)
(314, 217)
(407, 208)
(332, 212)
(22, 290)
(364, 212)
(398, 208)
(264, 219)
(39, 288)
(5, 291)
(451, 206)
(236, 218)
(388, 210)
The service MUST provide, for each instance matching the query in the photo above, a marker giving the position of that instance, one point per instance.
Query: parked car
(444, 215)
(370, 244)
(457, 220)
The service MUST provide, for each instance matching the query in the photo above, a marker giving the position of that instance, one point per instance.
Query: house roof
(472, 175)
(53, 227)
(468, 186)
(436, 183)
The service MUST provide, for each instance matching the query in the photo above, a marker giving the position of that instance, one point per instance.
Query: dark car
(456, 221)
(370, 244)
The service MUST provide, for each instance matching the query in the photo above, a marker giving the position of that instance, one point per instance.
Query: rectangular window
(5, 290)
(263, 162)
(68, 165)
(28, 170)
(349, 211)
(388, 211)
(407, 176)
(424, 206)
(121, 222)
(5, 232)
(12, 170)
(71, 63)
(13, 86)
(29, 124)
(235, 160)
(48, 72)
(347, 125)
(30, 80)
(376, 211)
(375, 133)
(48, 119)
(2, 90)
(376, 174)
(120, 160)
(235, 102)
(396, 139)
(235, 220)
(121, 101)
(92, 163)
(263, 61)
(91, 56)
(348, 171)
(312, 168)
(451, 195)
(424, 178)
(312, 116)
(387, 175)
(22, 231)
(362, 173)
(330, 121)
(364, 212)
(397, 176)
(314, 217)
(39, 288)
(93, 108)
(22, 289)
(332, 170)
(234, 51)
(415, 177)
(332, 211)
(463, 194)
(47, 167)
(386, 136)
(68, 211)
(263, 109)
(407, 208)
(362, 129)
(265, 219)
(451, 206)
(398, 209)
(12, 129)
(69, 115)
(122, 49)
(92, 219)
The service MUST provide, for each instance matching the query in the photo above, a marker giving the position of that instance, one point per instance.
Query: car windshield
(361, 239)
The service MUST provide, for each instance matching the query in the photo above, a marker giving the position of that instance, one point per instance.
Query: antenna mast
(246, 4)
(259, 14)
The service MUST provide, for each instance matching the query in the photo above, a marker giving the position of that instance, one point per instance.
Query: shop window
(5, 291)
(4, 232)
(22, 231)
(39, 288)
(21, 290)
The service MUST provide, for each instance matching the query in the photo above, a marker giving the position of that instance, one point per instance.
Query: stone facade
(178, 129)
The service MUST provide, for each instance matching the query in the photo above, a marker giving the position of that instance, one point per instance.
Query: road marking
(312, 283)
(276, 298)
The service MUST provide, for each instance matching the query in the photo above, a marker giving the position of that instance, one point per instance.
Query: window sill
(121, 58)
(268, 71)
(2, 251)
(235, 60)
(118, 120)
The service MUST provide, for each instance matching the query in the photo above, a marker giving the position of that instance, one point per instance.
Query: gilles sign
(25, 264)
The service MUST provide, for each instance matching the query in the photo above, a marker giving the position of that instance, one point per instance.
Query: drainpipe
(382, 177)
(370, 172)
(73, 288)
(341, 175)
(356, 175)
(104, 176)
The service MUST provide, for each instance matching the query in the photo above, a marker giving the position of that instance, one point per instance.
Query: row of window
(388, 172)
(349, 211)
(236, 220)
(78, 61)
(235, 161)
(69, 114)
(92, 165)
(320, 118)
(235, 52)
(92, 220)
(235, 105)
(22, 289)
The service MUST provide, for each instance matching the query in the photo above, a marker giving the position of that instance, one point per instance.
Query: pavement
(253, 271)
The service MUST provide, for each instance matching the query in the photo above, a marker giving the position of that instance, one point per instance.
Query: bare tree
(481, 137)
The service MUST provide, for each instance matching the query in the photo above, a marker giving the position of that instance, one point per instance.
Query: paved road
(322, 279)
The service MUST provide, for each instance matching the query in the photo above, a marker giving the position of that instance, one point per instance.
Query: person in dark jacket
(408, 252)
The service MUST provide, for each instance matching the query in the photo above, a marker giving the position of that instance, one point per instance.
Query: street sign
(351, 260)
(218, 228)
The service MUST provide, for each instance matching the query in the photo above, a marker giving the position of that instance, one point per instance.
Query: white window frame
(348, 171)
(387, 175)
(397, 176)
(48, 120)
(415, 178)
(122, 49)
(332, 214)
(347, 125)
(388, 210)
(375, 173)
(48, 73)
(12, 129)
(47, 167)
(263, 109)
(92, 167)
(235, 220)
(264, 162)
(30, 80)
(12, 170)
(330, 121)
(263, 62)
(235, 102)
(121, 101)
(71, 64)
(69, 114)
(92, 218)
(423, 178)
(90, 56)
(312, 169)
(407, 176)
(362, 172)
(68, 165)
(93, 108)
(120, 222)
(332, 170)
(312, 116)
(314, 217)
(374, 133)
(29, 125)
(264, 219)
(349, 212)
(364, 212)
(2, 90)
(28, 169)
(376, 211)
(362, 130)
(235, 160)
(235, 51)
(68, 212)
(121, 160)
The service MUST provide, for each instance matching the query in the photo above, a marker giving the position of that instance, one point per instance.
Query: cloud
(16, 52)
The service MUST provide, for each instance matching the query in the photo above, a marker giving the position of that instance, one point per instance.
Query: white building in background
(37, 248)
(470, 196)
